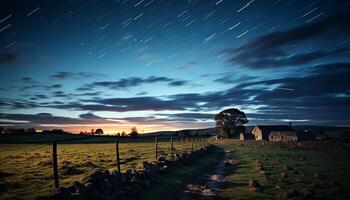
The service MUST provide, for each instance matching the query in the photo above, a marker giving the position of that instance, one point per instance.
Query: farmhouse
(275, 133)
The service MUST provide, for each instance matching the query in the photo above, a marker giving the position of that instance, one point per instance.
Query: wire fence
(127, 154)
(48, 166)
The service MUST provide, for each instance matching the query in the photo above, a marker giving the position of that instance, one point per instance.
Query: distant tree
(133, 132)
(92, 131)
(81, 133)
(123, 134)
(118, 134)
(60, 131)
(230, 122)
(99, 131)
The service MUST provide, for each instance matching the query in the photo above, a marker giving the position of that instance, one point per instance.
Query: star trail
(168, 65)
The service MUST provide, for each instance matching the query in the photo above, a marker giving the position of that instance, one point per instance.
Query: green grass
(26, 169)
(305, 164)
(172, 184)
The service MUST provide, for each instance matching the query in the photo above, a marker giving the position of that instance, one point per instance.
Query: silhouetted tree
(92, 131)
(118, 134)
(133, 132)
(123, 134)
(231, 122)
(99, 131)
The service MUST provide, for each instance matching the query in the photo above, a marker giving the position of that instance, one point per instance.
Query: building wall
(283, 136)
(257, 133)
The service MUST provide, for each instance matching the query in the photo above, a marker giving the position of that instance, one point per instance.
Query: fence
(175, 145)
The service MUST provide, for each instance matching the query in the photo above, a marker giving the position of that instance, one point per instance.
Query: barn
(275, 133)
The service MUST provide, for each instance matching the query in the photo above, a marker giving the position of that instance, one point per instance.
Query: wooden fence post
(156, 148)
(55, 167)
(182, 145)
(192, 144)
(195, 143)
(117, 154)
(187, 143)
(172, 146)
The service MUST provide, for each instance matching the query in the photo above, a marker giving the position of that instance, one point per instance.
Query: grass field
(26, 169)
(324, 172)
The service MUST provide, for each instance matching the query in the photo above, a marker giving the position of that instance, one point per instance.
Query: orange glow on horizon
(119, 129)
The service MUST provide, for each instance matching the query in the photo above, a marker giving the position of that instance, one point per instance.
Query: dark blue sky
(161, 64)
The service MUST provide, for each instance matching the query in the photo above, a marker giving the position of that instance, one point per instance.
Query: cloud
(280, 49)
(177, 83)
(322, 91)
(48, 118)
(126, 83)
(74, 75)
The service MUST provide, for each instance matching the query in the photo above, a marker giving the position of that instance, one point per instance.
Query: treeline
(133, 133)
(22, 131)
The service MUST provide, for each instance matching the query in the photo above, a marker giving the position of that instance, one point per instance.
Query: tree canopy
(134, 132)
(99, 131)
(231, 122)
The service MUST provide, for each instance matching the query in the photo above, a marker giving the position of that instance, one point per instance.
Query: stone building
(275, 133)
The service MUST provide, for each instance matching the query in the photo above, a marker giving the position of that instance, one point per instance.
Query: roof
(276, 128)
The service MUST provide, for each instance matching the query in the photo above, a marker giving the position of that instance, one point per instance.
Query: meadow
(300, 170)
(284, 172)
(26, 169)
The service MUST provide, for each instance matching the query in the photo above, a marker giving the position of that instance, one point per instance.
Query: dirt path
(210, 189)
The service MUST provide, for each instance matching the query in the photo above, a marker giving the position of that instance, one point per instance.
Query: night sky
(172, 64)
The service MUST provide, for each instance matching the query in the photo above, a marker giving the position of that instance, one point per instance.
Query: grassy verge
(172, 184)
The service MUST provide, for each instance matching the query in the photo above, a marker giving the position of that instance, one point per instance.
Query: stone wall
(106, 185)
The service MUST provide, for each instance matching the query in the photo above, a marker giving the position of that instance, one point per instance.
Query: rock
(161, 159)
(81, 190)
(283, 175)
(144, 166)
(106, 173)
(286, 168)
(230, 163)
(164, 168)
(95, 177)
(90, 186)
